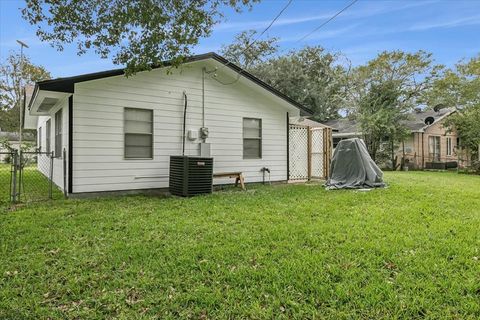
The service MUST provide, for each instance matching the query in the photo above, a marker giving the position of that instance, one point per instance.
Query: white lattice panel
(298, 152)
(317, 153)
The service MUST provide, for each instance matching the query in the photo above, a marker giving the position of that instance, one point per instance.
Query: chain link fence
(27, 177)
(6, 176)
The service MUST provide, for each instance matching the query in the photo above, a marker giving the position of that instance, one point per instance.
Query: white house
(117, 133)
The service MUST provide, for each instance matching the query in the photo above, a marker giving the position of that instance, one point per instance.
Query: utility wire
(299, 40)
(244, 51)
(326, 22)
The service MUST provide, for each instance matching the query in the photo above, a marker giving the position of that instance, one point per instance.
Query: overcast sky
(448, 29)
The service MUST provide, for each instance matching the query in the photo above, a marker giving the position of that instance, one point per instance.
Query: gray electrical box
(204, 149)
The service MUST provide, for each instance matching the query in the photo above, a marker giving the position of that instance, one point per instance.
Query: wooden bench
(237, 175)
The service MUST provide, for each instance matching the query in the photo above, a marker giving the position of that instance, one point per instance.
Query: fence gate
(35, 181)
(298, 152)
(309, 152)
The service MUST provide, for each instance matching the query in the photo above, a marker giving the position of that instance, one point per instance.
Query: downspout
(288, 147)
(70, 144)
(203, 98)
(185, 99)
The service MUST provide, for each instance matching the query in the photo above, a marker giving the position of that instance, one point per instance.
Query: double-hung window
(58, 133)
(449, 146)
(252, 138)
(434, 147)
(48, 127)
(138, 138)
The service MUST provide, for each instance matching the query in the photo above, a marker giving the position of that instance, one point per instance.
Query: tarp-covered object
(353, 168)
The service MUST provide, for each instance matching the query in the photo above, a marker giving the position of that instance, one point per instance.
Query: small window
(252, 138)
(58, 133)
(48, 135)
(449, 146)
(138, 133)
(39, 139)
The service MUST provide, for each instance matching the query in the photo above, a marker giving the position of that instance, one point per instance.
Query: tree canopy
(247, 51)
(383, 92)
(137, 34)
(460, 87)
(311, 76)
(13, 73)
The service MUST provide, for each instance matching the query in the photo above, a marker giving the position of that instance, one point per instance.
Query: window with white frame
(138, 128)
(449, 146)
(434, 148)
(252, 138)
(58, 133)
(48, 128)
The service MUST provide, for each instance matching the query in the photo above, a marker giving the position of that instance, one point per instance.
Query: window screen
(58, 133)
(138, 133)
(48, 135)
(252, 138)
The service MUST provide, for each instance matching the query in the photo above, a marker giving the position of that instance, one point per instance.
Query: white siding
(43, 163)
(98, 161)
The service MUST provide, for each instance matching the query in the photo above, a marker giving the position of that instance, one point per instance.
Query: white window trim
(125, 133)
(259, 138)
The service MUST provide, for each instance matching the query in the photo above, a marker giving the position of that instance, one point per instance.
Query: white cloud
(357, 11)
(452, 23)
(246, 25)
(323, 34)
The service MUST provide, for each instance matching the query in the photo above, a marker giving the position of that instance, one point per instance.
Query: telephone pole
(22, 44)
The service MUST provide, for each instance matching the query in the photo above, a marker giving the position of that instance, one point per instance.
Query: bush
(475, 166)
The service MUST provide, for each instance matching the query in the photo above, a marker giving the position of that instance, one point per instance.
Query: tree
(381, 120)
(137, 34)
(383, 92)
(12, 74)
(310, 76)
(247, 51)
(460, 87)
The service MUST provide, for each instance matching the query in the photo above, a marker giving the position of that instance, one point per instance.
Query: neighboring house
(430, 145)
(117, 133)
(12, 138)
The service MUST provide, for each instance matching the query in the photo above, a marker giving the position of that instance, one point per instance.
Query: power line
(326, 22)
(299, 40)
(256, 39)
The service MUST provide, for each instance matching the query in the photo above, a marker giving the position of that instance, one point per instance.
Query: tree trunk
(394, 162)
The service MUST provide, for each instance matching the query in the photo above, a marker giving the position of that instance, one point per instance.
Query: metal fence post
(51, 176)
(13, 187)
(20, 173)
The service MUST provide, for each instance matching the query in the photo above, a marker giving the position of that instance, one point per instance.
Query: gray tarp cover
(353, 168)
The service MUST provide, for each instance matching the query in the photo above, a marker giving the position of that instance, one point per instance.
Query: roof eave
(67, 85)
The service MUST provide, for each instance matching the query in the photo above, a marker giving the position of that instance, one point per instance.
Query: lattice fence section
(317, 153)
(298, 152)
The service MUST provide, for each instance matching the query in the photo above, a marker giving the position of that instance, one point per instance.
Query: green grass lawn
(296, 251)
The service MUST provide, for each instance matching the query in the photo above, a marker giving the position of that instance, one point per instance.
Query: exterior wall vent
(190, 176)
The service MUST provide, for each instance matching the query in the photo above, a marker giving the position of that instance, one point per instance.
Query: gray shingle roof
(416, 121)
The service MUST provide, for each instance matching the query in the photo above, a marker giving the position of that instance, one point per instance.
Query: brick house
(429, 146)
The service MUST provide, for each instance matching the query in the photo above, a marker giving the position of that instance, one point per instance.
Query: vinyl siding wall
(98, 128)
(43, 162)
